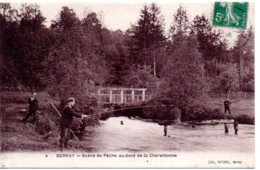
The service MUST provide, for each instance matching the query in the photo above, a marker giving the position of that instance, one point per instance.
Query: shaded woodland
(73, 57)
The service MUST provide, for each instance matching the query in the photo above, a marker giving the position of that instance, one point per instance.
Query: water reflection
(139, 136)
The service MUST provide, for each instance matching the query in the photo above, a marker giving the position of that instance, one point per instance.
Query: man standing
(66, 122)
(33, 107)
(227, 104)
(226, 128)
(235, 126)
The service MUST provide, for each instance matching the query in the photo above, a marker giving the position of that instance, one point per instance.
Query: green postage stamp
(230, 14)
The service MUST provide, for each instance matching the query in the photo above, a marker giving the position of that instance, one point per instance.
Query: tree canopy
(76, 56)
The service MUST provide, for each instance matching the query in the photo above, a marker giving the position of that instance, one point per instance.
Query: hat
(70, 99)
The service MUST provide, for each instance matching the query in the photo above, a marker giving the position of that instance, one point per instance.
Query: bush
(200, 112)
(245, 119)
(164, 109)
(47, 121)
(160, 109)
(106, 115)
(45, 125)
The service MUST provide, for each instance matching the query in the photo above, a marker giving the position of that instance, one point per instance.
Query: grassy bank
(42, 135)
(242, 110)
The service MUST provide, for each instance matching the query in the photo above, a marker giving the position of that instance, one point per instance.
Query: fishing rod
(14, 78)
(134, 108)
(129, 108)
(124, 109)
(51, 102)
(70, 128)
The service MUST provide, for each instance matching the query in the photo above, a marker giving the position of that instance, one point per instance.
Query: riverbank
(187, 123)
(43, 135)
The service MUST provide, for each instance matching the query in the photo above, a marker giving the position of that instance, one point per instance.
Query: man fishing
(235, 127)
(33, 107)
(165, 130)
(226, 127)
(66, 122)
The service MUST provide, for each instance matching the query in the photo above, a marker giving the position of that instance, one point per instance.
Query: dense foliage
(75, 56)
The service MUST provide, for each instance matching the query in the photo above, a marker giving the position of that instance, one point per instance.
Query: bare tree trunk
(154, 65)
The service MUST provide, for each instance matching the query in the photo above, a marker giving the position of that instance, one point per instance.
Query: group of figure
(65, 121)
(227, 104)
(235, 125)
(68, 114)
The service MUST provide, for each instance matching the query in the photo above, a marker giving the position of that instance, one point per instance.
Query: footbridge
(122, 95)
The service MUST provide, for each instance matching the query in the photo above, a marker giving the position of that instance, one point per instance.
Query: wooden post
(122, 96)
(110, 96)
(143, 95)
(133, 96)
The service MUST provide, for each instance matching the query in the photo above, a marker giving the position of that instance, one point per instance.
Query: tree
(93, 27)
(140, 77)
(228, 78)
(181, 25)
(207, 38)
(183, 78)
(4, 9)
(212, 48)
(116, 55)
(25, 43)
(74, 66)
(183, 75)
(31, 18)
(243, 56)
(67, 19)
(148, 35)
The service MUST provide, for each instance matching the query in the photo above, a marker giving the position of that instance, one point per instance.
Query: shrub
(106, 115)
(201, 112)
(47, 122)
(245, 119)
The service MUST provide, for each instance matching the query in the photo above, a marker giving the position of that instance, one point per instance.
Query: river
(139, 136)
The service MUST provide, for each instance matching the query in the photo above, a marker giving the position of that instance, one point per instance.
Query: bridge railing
(122, 95)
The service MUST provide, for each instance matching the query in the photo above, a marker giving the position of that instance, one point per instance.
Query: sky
(120, 14)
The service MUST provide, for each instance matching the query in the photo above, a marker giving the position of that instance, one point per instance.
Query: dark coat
(67, 117)
(33, 105)
(227, 103)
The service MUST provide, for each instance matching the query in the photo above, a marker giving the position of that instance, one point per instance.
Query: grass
(238, 107)
(42, 135)
(22, 98)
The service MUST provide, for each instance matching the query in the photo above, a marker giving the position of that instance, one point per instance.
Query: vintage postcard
(127, 84)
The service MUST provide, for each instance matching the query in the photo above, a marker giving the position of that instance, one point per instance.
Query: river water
(140, 136)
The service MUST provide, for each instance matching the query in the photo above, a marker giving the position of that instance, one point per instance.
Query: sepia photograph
(127, 84)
